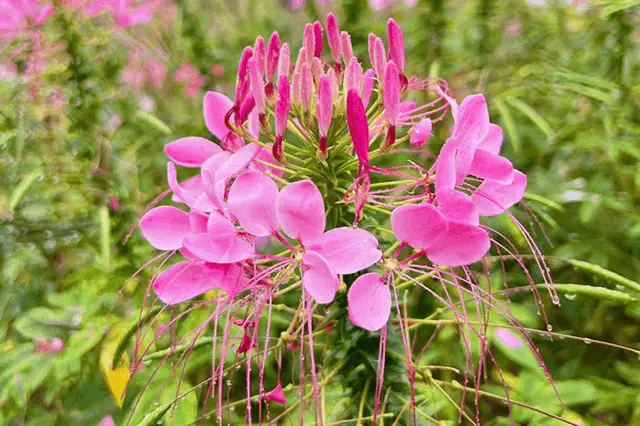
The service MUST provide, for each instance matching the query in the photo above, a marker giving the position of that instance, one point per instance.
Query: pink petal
(220, 244)
(198, 221)
(493, 198)
(218, 250)
(207, 172)
(458, 207)
(492, 142)
(320, 280)
(165, 227)
(191, 151)
(348, 250)
(369, 302)
(419, 225)
(462, 245)
(276, 395)
(300, 211)
(233, 166)
(186, 280)
(216, 105)
(470, 128)
(252, 200)
(266, 156)
(189, 191)
(492, 167)
(472, 121)
(446, 167)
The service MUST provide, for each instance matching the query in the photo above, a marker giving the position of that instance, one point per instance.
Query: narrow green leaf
(22, 189)
(509, 124)
(543, 200)
(591, 291)
(153, 122)
(605, 273)
(536, 118)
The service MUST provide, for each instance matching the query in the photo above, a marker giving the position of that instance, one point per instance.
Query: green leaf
(509, 124)
(543, 200)
(153, 122)
(536, 118)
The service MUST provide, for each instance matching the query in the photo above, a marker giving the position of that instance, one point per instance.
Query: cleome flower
(320, 161)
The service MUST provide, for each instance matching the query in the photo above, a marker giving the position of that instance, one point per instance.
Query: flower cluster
(293, 194)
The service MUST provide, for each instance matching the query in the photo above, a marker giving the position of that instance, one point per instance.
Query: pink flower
(107, 421)
(508, 338)
(277, 395)
(54, 345)
(18, 18)
(190, 75)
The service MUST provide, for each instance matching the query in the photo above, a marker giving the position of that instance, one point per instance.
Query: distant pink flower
(54, 345)
(509, 338)
(127, 13)
(217, 70)
(107, 421)
(188, 74)
(19, 18)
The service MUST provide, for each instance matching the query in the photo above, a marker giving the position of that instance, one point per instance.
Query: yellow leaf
(117, 377)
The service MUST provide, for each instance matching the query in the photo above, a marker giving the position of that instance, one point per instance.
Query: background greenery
(563, 81)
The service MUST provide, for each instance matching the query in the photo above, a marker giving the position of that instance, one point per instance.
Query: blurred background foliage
(81, 158)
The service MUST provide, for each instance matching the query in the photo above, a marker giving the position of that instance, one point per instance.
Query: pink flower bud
(317, 35)
(273, 54)
(302, 58)
(282, 105)
(56, 345)
(257, 85)
(317, 69)
(324, 106)
(307, 87)
(380, 60)
(247, 53)
(259, 53)
(421, 132)
(353, 76)
(358, 126)
(309, 41)
(247, 106)
(333, 80)
(241, 91)
(371, 48)
(333, 35)
(284, 60)
(369, 82)
(391, 93)
(396, 44)
(347, 49)
(296, 90)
